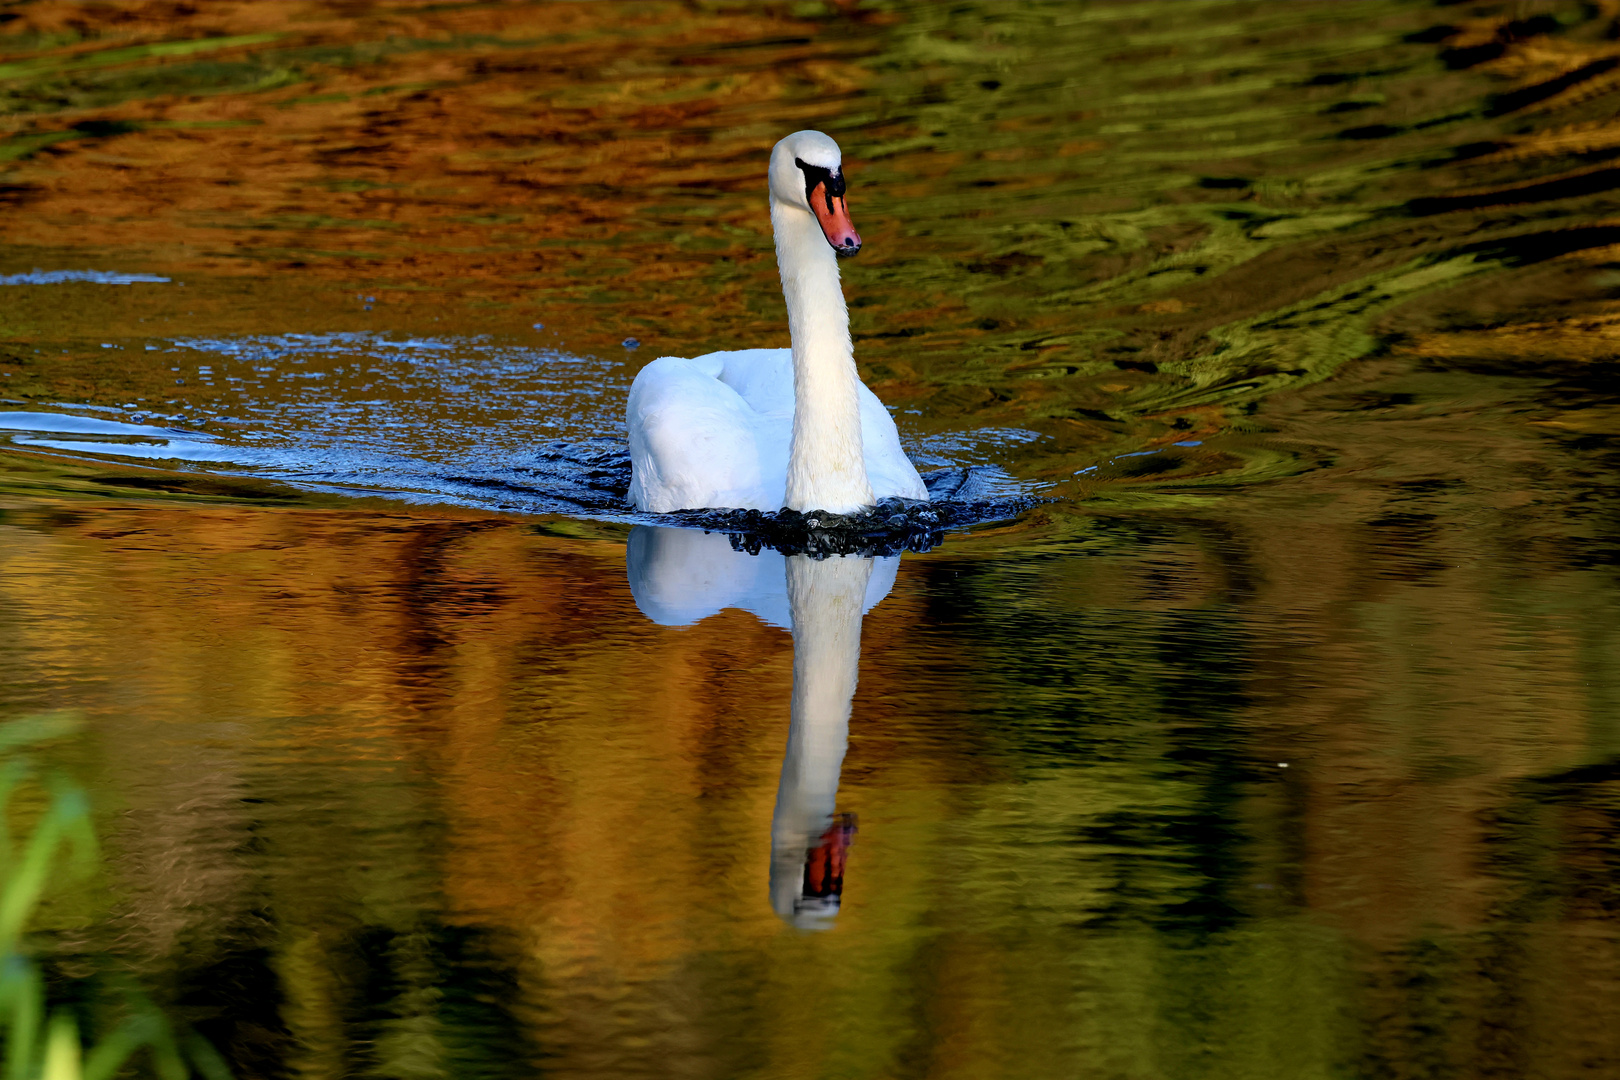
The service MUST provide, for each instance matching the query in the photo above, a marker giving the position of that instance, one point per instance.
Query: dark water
(1280, 741)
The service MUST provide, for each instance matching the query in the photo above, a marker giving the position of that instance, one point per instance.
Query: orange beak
(833, 213)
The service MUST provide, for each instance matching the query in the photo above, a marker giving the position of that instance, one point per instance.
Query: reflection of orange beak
(824, 863)
(833, 213)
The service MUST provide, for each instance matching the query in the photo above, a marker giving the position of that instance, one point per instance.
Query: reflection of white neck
(826, 465)
(827, 598)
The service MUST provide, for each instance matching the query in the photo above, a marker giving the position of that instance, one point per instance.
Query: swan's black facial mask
(832, 181)
(824, 191)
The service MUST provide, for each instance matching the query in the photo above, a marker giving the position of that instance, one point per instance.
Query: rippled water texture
(1280, 740)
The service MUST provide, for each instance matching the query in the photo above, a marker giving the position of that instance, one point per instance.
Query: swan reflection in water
(682, 576)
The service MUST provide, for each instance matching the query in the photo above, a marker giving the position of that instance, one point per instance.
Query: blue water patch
(91, 435)
(979, 453)
(69, 424)
(95, 277)
(497, 424)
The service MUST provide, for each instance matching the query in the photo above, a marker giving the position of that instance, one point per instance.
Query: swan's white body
(763, 429)
(717, 431)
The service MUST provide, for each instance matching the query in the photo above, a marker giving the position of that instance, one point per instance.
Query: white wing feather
(714, 432)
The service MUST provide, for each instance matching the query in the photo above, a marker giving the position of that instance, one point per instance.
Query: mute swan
(680, 577)
(763, 429)
(809, 839)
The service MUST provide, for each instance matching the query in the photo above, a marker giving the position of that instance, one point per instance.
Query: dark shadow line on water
(1514, 100)
(1528, 248)
(1580, 776)
(893, 526)
(1567, 187)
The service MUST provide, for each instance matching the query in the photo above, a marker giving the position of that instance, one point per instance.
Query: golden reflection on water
(439, 780)
(1288, 752)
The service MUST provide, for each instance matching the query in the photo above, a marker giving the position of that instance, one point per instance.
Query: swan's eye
(815, 174)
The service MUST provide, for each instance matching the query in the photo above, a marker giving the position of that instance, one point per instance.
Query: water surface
(1281, 741)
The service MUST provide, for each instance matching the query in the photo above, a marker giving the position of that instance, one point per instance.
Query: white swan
(809, 839)
(680, 577)
(763, 429)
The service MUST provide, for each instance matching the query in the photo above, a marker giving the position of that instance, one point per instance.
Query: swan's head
(807, 172)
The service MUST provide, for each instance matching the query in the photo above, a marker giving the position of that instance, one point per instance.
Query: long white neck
(826, 465)
(826, 598)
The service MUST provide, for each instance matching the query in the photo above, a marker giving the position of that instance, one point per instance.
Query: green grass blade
(165, 1054)
(26, 882)
(205, 1058)
(26, 1014)
(32, 730)
(110, 1054)
(62, 1050)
